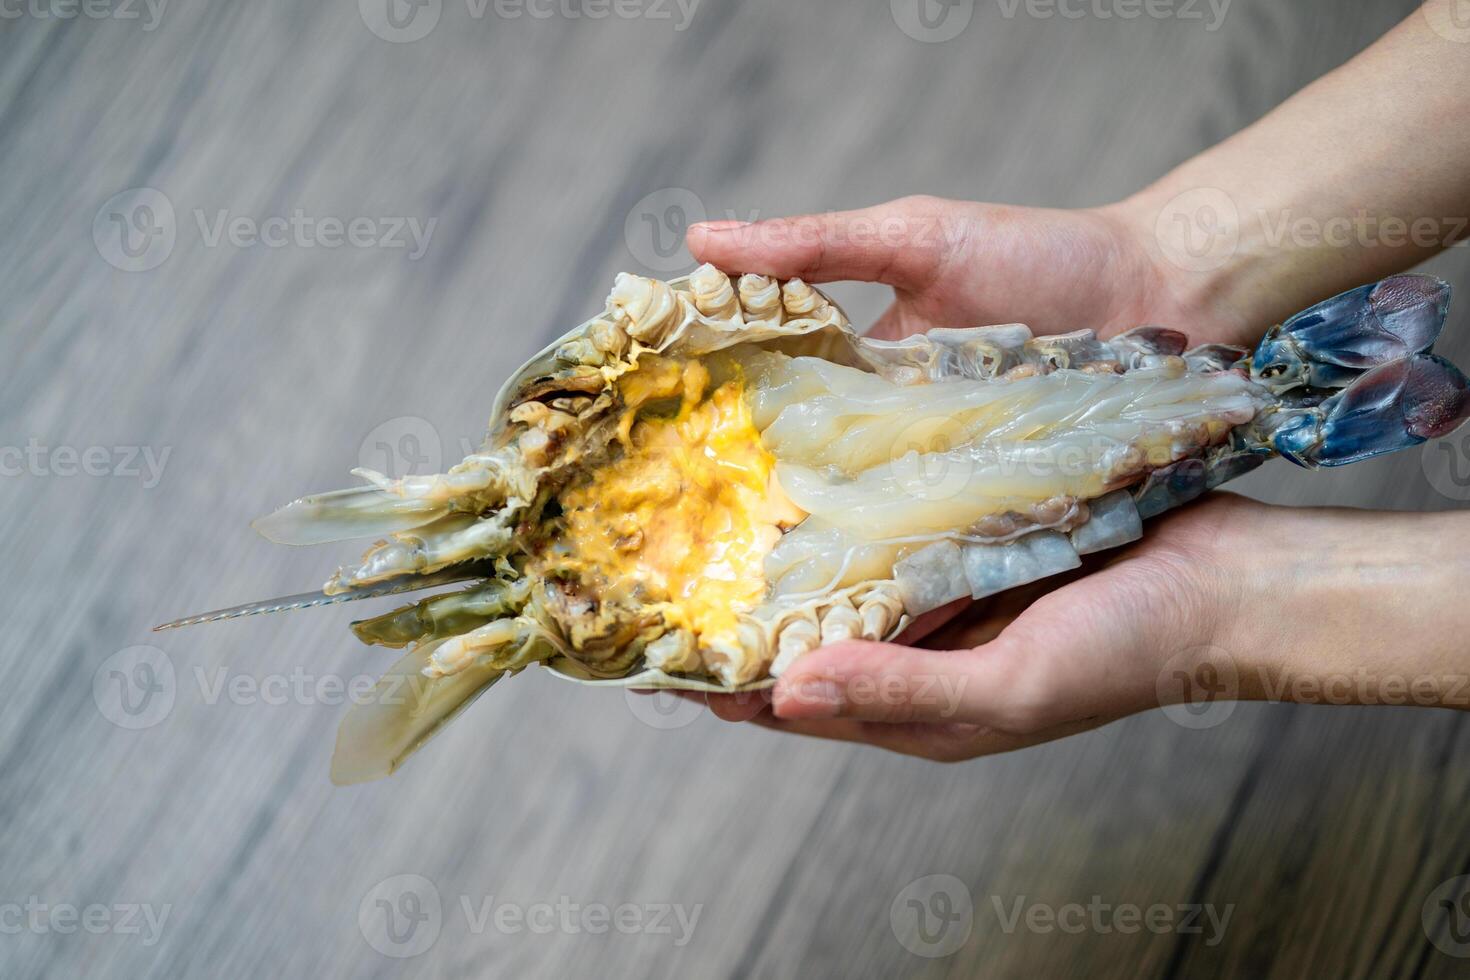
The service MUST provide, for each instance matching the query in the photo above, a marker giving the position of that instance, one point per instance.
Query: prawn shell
(831, 337)
(651, 679)
(973, 353)
(696, 335)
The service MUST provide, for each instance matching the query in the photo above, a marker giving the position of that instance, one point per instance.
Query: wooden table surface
(214, 375)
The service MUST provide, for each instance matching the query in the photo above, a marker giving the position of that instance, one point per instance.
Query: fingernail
(811, 699)
(713, 227)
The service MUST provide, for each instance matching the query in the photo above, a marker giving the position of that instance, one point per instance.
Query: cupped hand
(1037, 663)
(963, 264)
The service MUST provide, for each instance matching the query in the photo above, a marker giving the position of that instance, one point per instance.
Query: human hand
(1261, 602)
(1030, 665)
(1353, 179)
(963, 264)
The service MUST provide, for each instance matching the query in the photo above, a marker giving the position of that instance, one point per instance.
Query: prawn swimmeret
(713, 478)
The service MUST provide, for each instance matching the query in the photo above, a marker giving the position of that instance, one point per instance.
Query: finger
(1075, 653)
(898, 322)
(737, 707)
(910, 738)
(724, 224)
(939, 743)
(885, 682)
(900, 243)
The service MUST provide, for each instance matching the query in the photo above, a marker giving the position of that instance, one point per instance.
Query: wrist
(1195, 276)
(1245, 258)
(1353, 607)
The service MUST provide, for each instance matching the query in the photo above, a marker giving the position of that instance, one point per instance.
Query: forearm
(1346, 606)
(1364, 173)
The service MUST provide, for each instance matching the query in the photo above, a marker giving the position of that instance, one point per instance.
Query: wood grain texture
(530, 142)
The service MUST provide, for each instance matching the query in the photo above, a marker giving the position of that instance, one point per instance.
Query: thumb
(1054, 664)
(885, 682)
(901, 244)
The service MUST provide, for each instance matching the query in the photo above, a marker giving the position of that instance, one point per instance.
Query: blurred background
(251, 246)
